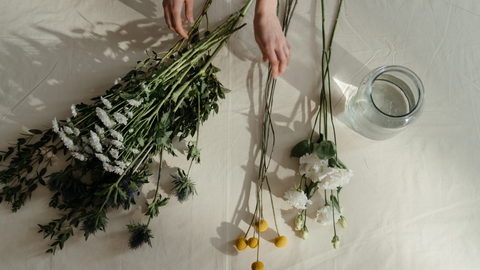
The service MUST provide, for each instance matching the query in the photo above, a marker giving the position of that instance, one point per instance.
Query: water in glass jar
(375, 121)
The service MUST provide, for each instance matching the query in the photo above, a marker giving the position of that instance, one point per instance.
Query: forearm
(265, 6)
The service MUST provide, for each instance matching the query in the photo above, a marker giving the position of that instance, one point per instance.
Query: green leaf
(302, 148)
(139, 65)
(325, 150)
(141, 141)
(335, 203)
(35, 131)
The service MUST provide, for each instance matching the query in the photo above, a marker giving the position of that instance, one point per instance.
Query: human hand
(270, 39)
(173, 15)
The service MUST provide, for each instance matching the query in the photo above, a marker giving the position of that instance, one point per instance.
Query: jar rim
(409, 73)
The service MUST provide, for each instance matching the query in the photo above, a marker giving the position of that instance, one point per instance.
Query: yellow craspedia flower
(241, 243)
(263, 225)
(280, 241)
(258, 265)
(253, 242)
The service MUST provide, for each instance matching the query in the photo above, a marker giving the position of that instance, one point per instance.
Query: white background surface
(412, 204)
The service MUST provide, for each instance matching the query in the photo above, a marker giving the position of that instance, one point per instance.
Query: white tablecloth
(412, 204)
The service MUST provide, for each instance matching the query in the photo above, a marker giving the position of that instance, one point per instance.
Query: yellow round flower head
(241, 243)
(263, 225)
(258, 265)
(280, 241)
(253, 242)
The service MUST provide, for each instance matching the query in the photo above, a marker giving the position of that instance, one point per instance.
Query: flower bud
(299, 222)
(343, 222)
(336, 242)
(305, 233)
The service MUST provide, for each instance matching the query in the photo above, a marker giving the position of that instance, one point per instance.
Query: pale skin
(268, 32)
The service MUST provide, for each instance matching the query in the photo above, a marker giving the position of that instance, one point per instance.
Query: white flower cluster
(297, 198)
(325, 215)
(318, 171)
(103, 142)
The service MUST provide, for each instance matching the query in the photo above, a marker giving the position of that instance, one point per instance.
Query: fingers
(189, 10)
(279, 60)
(173, 15)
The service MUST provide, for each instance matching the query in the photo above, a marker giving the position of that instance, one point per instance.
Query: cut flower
(313, 167)
(325, 215)
(297, 198)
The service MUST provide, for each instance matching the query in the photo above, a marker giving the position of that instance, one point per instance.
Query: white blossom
(103, 116)
(76, 131)
(114, 153)
(106, 103)
(336, 177)
(325, 215)
(115, 134)
(55, 125)
(134, 102)
(95, 142)
(87, 149)
(74, 110)
(68, 130)
(130, 114)
(130, 130)
(78, 156)
(313, 167)
(85, 140)
(297, 198)
(120, 118)
(67, 141)
(121, 164)
(134, 151)
(118, 144)
(102, 157)
(99, 130)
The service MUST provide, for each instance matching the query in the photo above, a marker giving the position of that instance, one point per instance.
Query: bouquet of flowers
(320, 166)
(110, 143)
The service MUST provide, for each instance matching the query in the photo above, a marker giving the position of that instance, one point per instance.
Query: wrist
(265, 7)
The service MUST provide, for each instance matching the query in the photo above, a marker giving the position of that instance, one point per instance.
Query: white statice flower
(87, 149)
(102, 157)
(69, 120)
(99, 130)
(76, 131)
(95, 142)
(74, 110)
(106, 103)
(68, 130)
(325, 215)
(305, 233)
(103, 116)
(134, 102)
(313, 167)
(115, 134)
(131, 130)
(297, 198)
(114, 153)
(134, 151)
(130, 114)
(336, 177)
(56, 129)
(120, 118)
(118, 144)
(78, 156)
(67, 141)
(85, 140)
(107, 167)
(118, 170)
(299, 222)
(121, 164)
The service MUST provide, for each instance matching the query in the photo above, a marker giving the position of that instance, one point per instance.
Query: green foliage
(302, 148)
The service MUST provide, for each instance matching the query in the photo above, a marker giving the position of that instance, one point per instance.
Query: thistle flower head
(184, 187)
(139, 234)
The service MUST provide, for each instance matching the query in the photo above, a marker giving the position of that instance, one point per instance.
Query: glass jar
(388, 100)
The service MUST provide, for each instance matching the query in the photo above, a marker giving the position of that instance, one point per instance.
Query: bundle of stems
(267, 147)
(325, 168)
(110, 143)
